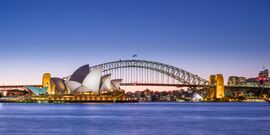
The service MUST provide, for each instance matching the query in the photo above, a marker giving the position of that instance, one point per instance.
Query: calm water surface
(136, 119)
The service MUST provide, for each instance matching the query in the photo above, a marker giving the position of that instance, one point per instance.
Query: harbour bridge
(150, 73)
(141, 72)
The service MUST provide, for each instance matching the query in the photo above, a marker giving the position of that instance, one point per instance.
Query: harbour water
(136, 119)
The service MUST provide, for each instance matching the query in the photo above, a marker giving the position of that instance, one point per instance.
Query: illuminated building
(38, 91)
(262, 78)
(81, 81)
(235, 80)
(263, 75)
(84, 85)
(91, 81)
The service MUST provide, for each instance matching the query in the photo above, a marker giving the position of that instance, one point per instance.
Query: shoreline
(112, 102)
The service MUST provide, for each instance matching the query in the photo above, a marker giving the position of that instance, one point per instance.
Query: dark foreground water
(136, 119)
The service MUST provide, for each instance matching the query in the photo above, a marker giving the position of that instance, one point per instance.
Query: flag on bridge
(135, 55)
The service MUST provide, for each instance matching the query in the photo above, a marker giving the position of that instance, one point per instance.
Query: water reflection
(136, 119)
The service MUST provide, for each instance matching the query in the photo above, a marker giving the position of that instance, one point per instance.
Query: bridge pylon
(46, 82)
(217, 92)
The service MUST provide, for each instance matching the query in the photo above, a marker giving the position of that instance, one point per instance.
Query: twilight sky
(231, 37)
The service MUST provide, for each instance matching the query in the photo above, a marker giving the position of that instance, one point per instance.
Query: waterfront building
(264, 75)
(197, 97)
(235, 80)
(38, 91)
(261, 79)
(82, 81)
(164, 96)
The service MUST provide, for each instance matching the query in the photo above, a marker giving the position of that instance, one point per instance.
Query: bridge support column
(220, 93)
(217, 92)
(212, 91)
(46, 82)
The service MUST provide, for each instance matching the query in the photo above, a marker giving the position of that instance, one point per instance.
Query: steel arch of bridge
(178, 74)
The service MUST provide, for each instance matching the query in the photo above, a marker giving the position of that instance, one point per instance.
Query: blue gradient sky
(204, 37)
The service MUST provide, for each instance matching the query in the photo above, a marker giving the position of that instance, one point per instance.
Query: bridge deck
(149, 84)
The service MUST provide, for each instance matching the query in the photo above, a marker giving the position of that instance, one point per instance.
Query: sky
(204, 37)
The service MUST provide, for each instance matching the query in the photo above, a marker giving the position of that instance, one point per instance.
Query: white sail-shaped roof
(92, 80)
(82, 88)
(60, 85)
(105, 83)
(80, 74)
(72, 85)
(115, 84)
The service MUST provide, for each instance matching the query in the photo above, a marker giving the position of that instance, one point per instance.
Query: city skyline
(210, 37)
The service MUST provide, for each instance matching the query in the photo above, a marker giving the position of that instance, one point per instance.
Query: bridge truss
(149, 72)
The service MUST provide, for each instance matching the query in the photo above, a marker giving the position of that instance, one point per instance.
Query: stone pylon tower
(212, 90)
(217, 92)
(220, 92)
(47, 82)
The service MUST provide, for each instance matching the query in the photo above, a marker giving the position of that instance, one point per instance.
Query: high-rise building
(264, 75)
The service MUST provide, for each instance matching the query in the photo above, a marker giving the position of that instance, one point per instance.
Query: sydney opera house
(82, 85)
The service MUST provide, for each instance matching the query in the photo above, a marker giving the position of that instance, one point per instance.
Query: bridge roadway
(23, 87)
(188, 85)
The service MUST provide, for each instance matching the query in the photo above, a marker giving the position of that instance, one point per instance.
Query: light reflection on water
(135, 119)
